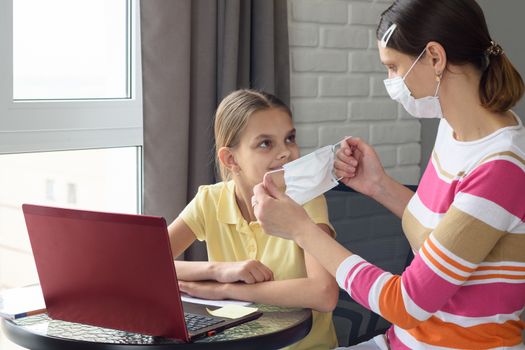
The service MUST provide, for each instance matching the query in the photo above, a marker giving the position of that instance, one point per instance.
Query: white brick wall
(337, 83)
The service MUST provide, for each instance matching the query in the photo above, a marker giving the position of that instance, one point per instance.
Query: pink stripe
(434, 193)
(394, 342)
(427, 289)
(487, 300)
(349, 274)
(363, 282)
(498, 181)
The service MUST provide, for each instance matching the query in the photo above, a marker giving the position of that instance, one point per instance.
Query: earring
(438, 77)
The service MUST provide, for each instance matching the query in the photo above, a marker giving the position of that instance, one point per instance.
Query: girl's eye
(290, 139)
(265, 144)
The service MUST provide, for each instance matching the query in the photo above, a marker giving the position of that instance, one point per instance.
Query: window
(70, 115)
(72, 71)
(103, 179)
(78, 52)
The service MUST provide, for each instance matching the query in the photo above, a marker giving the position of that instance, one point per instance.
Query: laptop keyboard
(195, 322)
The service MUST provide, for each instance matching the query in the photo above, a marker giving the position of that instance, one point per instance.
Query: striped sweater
(465, 288)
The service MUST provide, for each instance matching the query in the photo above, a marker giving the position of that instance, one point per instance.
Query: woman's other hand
(278, 214)
(359, 167)
(247, 271)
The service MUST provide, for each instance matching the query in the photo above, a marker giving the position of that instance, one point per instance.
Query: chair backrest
(368, 229)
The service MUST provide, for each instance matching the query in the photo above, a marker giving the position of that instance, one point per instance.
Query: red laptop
(114, 271)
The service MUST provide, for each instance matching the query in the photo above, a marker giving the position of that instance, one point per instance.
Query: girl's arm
(318, 291)
(249, 271)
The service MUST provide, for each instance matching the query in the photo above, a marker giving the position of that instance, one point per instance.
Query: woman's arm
(447, 259)
(359, 168)
(318, 290)
(249, 271)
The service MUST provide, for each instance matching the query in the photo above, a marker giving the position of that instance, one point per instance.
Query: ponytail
(501, 86)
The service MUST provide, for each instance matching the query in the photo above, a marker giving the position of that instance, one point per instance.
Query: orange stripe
(488, 335)
(449, 260)
(486, 277)
(392, 306)
(441, 267)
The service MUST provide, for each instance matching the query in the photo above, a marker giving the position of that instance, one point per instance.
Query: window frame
(50, 125)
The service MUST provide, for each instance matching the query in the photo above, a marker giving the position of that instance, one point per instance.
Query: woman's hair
(232, 117)
(460, 27)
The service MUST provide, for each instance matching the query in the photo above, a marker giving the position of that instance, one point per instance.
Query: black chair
(371, 231)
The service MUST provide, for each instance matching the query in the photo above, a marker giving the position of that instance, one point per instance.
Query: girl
(465, 288)
(254, 134)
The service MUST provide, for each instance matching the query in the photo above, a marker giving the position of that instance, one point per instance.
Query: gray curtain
(194, 52)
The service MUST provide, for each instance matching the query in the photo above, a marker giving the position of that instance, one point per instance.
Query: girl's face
(267, 143)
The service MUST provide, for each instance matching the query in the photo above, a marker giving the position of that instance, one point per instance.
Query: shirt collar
(228, 211)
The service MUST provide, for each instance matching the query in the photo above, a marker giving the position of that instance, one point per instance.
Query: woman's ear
(227, 159)
(438, 56)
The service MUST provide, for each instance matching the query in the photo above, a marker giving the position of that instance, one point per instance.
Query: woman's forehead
(389, 56)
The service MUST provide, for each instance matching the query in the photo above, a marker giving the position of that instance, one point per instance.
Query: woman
(465, 289)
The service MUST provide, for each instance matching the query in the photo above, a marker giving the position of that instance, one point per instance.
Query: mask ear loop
(438, 79)
(413, 64)
(274, 171)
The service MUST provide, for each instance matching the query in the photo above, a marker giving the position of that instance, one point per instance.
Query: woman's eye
(290, 139)
(392, 69)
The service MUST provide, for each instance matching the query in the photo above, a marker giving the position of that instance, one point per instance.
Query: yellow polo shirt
(214, 217)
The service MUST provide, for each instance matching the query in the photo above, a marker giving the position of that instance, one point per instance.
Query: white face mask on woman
(426, 107)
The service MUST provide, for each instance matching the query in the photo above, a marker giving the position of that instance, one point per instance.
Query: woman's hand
(359, 166)
(248, 271)
(278, 214)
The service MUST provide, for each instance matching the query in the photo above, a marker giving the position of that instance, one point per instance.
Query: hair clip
(388, 34)
(494, 49)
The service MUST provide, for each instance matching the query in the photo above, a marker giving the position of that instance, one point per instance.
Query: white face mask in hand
(309, 176)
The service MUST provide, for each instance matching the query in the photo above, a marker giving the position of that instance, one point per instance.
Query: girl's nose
(284, 153)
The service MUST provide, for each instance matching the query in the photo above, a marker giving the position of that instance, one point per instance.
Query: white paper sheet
(220, 303)
(21, 302)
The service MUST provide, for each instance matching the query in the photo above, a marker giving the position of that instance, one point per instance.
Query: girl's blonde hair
(232, 117)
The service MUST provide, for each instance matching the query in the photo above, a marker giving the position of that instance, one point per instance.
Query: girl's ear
(438, 56)
(227, 159)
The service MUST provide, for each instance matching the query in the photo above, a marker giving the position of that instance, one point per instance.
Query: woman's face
(421, 80)
(267, 143)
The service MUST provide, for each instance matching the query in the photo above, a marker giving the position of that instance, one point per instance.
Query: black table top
(276, 328)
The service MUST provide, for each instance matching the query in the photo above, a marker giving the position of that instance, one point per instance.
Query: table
(276, 328)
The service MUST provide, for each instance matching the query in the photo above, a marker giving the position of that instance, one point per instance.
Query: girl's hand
(359, 166)
(248, 271)
(278, 214)
(205, 290)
